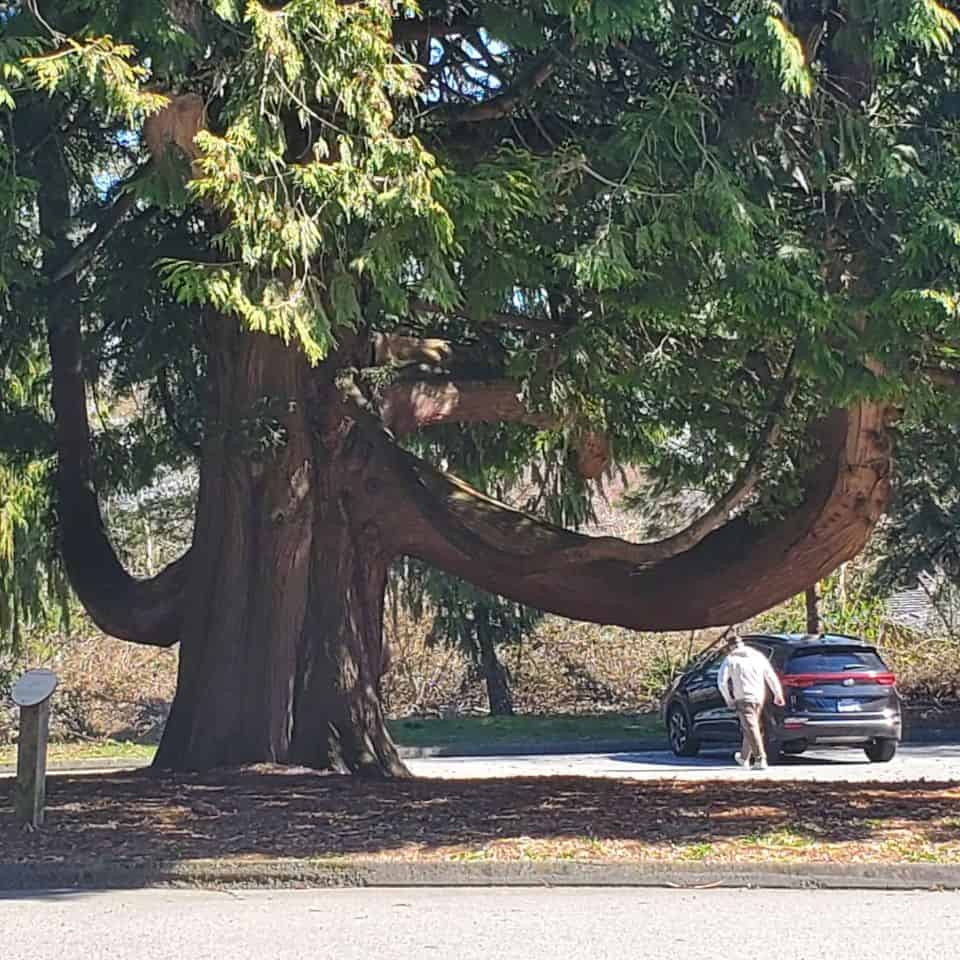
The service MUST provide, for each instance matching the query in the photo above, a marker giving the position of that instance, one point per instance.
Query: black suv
(838, 692)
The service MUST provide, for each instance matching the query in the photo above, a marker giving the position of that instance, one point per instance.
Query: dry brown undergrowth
(113, 689)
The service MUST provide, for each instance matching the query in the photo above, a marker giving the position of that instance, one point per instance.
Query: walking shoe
(741, 761)
(761, 765)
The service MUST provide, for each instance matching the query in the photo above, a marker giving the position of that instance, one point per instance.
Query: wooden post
(32, 693)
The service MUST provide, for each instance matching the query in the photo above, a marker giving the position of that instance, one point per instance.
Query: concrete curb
(368, 873)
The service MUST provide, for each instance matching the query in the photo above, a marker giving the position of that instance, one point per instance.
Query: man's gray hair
(731, 638)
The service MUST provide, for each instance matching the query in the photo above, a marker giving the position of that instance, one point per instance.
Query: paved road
(477, 924)
(913, 762)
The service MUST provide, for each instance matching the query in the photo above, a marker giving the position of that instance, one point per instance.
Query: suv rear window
(834, 660)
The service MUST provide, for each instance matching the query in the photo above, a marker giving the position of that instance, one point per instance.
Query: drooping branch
(737, 571)
(106, 225)
(411, 406)
(143, 611)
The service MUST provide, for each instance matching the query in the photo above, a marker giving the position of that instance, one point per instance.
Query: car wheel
(679, 729)
(772, 743)
(773, 748)
(881, 750)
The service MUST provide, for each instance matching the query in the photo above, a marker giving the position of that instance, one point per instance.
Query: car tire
(771, 746)
(881, 750)
(680, 732)
(772, 743)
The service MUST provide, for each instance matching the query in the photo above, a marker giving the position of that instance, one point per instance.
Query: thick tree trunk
(281, 645)
(338, 721)
(494, 673)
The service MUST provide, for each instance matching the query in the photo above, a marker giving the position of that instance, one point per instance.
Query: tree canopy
(321, 248)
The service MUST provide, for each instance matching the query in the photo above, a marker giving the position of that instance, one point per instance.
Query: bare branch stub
(430, 392)
(407, 407)
(176, 124)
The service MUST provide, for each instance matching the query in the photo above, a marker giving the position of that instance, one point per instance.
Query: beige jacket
(746, 674)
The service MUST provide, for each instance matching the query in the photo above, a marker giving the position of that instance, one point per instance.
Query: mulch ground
(268, 812)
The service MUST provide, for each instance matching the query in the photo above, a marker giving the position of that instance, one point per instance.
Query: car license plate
(848, 706)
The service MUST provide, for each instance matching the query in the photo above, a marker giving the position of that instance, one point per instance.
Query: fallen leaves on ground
(268, 812)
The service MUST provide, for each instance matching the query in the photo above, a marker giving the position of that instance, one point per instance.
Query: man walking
(744, 679)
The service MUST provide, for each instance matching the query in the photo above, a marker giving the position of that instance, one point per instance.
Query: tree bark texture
(281, 643)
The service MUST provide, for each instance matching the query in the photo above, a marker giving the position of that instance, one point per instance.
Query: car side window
(712, 667)
(764, 648)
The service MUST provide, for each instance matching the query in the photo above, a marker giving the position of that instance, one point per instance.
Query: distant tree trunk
(281, 642)
(813, 609)
(494, 672)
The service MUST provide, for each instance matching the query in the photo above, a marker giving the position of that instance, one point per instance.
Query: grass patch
(782, 839)
(416, 732)
(696, 851)
(96, 750)
(476, 731)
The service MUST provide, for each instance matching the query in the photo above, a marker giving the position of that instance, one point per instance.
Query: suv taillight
(808, 679)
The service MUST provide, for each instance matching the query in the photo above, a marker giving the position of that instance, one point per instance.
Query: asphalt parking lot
(939, 761)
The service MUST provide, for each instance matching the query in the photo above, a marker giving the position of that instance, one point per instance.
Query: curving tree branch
(142, 611)
(738, 570)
